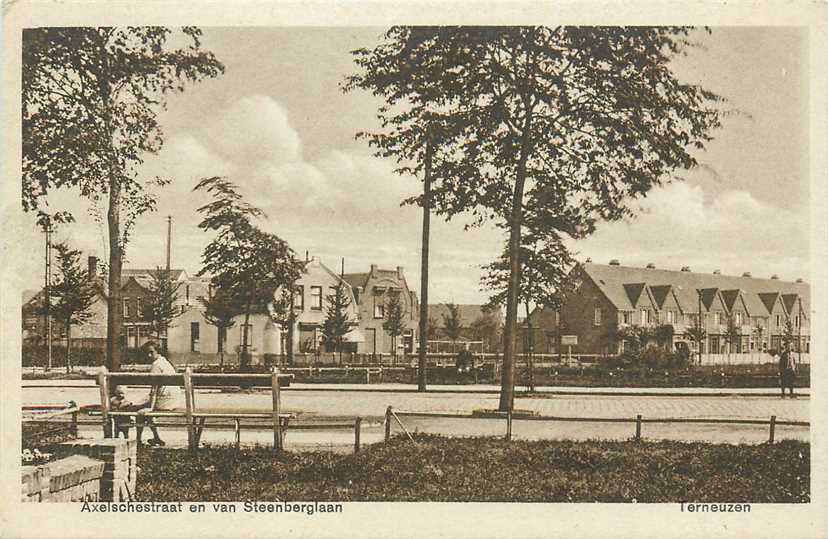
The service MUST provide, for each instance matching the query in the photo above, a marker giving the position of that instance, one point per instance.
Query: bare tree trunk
(531, 351)
(244, 354)
(421, 359)
(68, 344)
(507, 385)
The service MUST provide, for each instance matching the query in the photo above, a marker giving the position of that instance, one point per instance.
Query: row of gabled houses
(739, 314)
(192, 337)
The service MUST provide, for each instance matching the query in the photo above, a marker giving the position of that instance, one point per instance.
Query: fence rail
(638, 420)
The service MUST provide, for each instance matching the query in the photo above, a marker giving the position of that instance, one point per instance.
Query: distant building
(372, 291)
(477, 323)
(610, 298)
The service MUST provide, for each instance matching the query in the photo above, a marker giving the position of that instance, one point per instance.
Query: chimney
(373, 268)
(775, 277)
(400, 272)
(307, 256)
(685, 268)
(746, 274)
(717, 272)
(800, 280)
(93, 266)
(614, 262)
(650, 266)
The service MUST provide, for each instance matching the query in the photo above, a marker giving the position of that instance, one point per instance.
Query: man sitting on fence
(160, 398)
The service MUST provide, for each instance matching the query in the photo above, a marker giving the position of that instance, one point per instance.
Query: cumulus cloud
(733, 232)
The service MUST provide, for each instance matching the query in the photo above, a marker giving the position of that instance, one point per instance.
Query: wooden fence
(638, 420)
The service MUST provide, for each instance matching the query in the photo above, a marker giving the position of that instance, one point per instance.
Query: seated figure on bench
(160, 398)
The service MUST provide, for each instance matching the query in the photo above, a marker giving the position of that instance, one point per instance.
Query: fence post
(772, 428)
(103, 382)
(357, 423)
(387, 424)
(277, 425)
(638, 427)
(508, 425)
(237, 429)
(74, 427)
(188, 402)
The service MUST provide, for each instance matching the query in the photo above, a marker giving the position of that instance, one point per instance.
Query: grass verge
(486, 469)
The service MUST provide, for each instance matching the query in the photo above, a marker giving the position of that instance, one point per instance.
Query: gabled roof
(660, 294)
(634, 292)
(175, 274)
(708, 296)
(356, 279)
(769, 300)
(610, 279)
(729, 298)
(789, 300)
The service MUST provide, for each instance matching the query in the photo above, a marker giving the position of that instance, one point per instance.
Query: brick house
(611, 297)
(372, 292)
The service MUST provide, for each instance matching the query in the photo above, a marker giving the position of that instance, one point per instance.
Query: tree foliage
(337, 318)
(556, 128)
(161, 302)
(394, 322)
(247, 263)
(73, 294)
(91, 98)
(486, 327)
(452, 323)
(220, 310)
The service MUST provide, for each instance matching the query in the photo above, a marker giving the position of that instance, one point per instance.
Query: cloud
(682, 226)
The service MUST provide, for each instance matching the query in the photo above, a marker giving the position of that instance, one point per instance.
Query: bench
(196, 418)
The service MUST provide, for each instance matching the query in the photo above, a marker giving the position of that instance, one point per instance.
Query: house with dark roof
(372, 291)
(739, 314)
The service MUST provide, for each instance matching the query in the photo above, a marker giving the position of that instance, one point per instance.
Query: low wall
(98, 470)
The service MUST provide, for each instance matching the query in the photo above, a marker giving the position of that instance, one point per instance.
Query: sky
(277, 124)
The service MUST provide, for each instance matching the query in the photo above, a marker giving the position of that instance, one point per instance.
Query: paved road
(309, 404)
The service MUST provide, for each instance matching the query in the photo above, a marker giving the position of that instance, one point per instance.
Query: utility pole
(47, 300)
(169, 240)
(421, 362)
(699, 327)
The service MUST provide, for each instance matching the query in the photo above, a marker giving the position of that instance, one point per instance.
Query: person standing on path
(787, 370)
(160, 398)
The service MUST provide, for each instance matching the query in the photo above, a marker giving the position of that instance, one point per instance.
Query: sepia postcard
(402, 269)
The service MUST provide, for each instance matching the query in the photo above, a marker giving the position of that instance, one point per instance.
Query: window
(139, 307)
(644, 317)
(299, 298)
(557, 318)
(316, 298)
(597, 316)
(796, 321)
(379, 306)
(778, 320)
(738, 318)
(671, 317)
(126, 307)
(194, 336)
(626, 317)
(717, 318)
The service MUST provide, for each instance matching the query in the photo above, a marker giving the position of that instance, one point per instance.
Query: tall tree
(220, 310)
(486, 327)
(406, 71)
(545, 265)
(160, 303)
(246, 262)
(560, 126)
(452, 323)
(733, 333)
(337, 318)
(74, 293)
(91, 98)
(394, 322)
